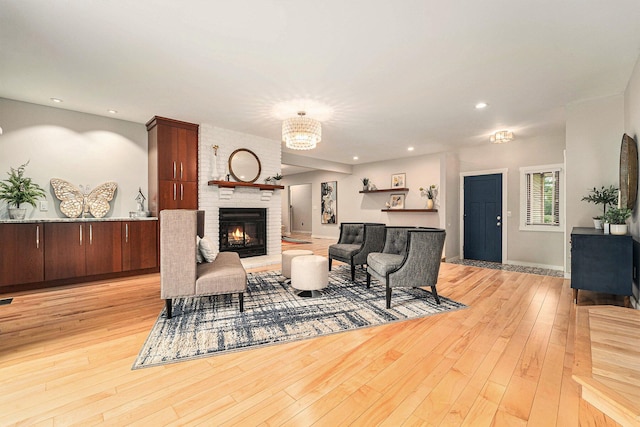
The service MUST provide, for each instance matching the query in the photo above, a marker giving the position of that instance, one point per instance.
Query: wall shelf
(384, 190)
(409, 210)
(226, 189)
(232, 184)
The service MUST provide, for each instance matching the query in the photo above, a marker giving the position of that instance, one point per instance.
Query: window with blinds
(541, 202)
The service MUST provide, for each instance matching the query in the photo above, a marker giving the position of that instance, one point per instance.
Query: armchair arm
(421, 264)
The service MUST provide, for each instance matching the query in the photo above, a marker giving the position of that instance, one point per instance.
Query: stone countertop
(39, 220)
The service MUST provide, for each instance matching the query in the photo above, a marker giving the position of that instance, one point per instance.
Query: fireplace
(243, 230)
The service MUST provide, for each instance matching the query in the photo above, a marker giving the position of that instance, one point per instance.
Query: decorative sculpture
(76, 201)
(140, 200)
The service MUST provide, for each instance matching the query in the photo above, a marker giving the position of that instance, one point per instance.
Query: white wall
(81, 148)
(420, 171)
(594, 132)
(526, 247)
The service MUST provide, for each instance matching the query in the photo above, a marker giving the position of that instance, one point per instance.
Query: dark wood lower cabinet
(21, 253)
(34, 253)
(103, 248)
(64, 254)
(139, 245)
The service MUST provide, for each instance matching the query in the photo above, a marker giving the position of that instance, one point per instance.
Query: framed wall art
(398, 180)
(329, 202)
(396, 201)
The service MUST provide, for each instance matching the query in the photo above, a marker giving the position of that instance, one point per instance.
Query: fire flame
(237, 234)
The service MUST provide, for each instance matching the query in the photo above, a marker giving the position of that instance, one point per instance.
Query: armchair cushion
(342, 251)
(382, 263)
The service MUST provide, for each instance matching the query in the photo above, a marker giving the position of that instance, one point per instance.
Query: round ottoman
(309, 273)
(287, 256)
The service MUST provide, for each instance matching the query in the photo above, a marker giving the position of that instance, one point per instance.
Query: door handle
(91, 234)
(126, 232)
(498, 217)
(80, 235)
(498, 224)
(174, 170)
(181, 192)
(174, 191)
(181, 170)
(37, 237)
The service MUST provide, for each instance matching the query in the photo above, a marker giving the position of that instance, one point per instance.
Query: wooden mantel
(232, 184)
(226, 188)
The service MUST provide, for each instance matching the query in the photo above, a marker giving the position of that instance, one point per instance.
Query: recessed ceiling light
(57, 100)
(112, 111)
(481, 105)
(355, 157)
(410, 149)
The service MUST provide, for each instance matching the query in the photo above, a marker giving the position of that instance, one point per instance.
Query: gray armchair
(356, 241)
(411, 258)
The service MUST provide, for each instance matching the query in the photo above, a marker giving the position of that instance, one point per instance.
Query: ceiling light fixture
(112, 111)
(56, 100)
(355, 157)
(410, 149)
(501, 136)
(481, 105)
(301, 133)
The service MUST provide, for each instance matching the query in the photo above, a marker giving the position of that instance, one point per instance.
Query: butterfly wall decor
(75, 201)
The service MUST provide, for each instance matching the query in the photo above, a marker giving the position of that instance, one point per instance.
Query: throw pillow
(199, 258)
(206, 248)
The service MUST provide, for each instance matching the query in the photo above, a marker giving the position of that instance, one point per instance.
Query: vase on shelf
(17, 213)
(429, 203)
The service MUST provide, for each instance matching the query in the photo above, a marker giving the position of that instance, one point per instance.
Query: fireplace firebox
(243, 230)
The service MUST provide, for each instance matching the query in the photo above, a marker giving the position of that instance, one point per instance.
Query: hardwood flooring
(66, 356)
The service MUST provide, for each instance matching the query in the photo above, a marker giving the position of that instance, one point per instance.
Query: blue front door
(483, 217)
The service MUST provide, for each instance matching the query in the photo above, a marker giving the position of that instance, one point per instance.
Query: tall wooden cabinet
(173, 164)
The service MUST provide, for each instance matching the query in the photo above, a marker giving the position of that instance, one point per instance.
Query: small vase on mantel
(429, 203)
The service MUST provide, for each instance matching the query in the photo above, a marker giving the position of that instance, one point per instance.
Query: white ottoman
(287, 256)
(309, 273)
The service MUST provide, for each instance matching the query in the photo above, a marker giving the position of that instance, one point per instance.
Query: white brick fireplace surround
(268, 151)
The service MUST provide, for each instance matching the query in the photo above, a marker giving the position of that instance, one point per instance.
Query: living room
(88, 146)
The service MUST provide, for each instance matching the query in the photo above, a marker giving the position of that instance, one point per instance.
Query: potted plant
(617, 219)
(430, 192)
(606, 197)
(365, 184)
(19, 189)
(277, 177)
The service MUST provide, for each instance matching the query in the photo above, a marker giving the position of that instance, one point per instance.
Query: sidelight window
(541, 198)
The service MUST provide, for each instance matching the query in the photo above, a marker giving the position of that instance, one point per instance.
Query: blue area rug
(273, 313)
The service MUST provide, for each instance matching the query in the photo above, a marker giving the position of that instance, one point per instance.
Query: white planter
(15, 213)
(597, 223)
(618, 229)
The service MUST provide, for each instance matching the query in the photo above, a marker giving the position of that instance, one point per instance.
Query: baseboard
(452, 259)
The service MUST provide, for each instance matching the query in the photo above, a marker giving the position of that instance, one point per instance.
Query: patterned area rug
(273, 313)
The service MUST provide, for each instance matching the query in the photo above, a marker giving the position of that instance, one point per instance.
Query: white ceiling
(381, 75)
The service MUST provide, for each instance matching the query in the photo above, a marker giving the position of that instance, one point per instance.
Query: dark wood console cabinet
(601, 262)
(41, 254)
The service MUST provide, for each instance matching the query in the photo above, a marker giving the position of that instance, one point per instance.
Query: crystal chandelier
(501, 136)
(301, 133)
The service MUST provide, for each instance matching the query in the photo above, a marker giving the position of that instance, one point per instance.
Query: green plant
(19, 189)
(604, 196)
(277, 177)
(617, 216)
(365, 181)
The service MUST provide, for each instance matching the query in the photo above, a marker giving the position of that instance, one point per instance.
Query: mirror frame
(236, 176)
(628, 172)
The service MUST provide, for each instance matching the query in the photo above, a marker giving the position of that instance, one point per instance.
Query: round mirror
(244, 165)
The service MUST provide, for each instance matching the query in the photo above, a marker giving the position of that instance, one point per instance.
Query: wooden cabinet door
(188, 155)
(139, 245)
(168, 195)
(168, 154)
(21, 253)
(188, 195)
(64, 255)
(103, 247)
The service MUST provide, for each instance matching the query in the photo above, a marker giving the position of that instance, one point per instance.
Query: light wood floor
(66, 356)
